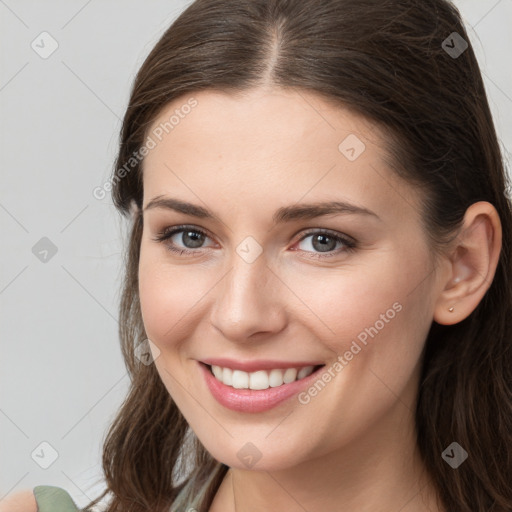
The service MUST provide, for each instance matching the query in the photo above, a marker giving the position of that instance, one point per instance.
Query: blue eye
(193, 236)
(323, 240)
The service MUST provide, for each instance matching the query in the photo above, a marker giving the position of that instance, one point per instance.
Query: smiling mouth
(261, 379)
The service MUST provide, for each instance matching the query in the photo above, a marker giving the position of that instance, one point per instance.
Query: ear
(472, 264)
(134, 209)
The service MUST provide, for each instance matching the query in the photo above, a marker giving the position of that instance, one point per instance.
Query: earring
(451, 309)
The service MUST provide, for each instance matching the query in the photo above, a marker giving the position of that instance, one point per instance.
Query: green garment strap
(53, 499)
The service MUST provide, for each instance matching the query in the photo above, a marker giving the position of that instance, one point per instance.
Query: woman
(316, 312)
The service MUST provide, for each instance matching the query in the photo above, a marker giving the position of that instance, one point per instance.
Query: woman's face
(265, 285)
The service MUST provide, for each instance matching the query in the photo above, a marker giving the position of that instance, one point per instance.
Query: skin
(352, 447)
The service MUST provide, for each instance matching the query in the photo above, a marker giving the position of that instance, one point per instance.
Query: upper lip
(257, 364)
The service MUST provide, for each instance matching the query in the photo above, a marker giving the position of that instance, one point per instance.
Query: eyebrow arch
(284, 214)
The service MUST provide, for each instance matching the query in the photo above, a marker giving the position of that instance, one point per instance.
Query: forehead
(269, 144)
(275, 116)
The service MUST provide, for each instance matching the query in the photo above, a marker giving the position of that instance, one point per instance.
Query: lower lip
(251, 400)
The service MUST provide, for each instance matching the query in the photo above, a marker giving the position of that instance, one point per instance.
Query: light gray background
(62, 375)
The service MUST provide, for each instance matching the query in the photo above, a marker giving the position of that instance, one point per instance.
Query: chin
(257, 456)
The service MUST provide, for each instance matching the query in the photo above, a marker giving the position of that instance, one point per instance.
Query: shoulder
(53, 499)
(43, 498)
(22, 501)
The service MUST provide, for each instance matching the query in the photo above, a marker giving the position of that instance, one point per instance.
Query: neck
(380, 469)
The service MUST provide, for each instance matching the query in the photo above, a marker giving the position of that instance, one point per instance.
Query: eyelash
(167, 233)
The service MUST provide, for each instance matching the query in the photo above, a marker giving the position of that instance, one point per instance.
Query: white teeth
(290, 375)
(217, 371)
(227, 376)
(304, 372)
(260, 379)
(275, 378)
(240, 379)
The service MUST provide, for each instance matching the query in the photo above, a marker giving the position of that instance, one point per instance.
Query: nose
(248, 301)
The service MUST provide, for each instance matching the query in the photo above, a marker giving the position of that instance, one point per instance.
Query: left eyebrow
(284, 214)
(313, 210)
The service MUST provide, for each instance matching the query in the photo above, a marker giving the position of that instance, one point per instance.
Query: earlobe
(473, 261)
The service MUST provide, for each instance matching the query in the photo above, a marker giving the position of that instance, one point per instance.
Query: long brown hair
(389, 61)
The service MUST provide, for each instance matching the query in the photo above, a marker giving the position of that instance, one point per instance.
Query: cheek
(375, 316)
(170, 298)
(344, 301)
(164, 299)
